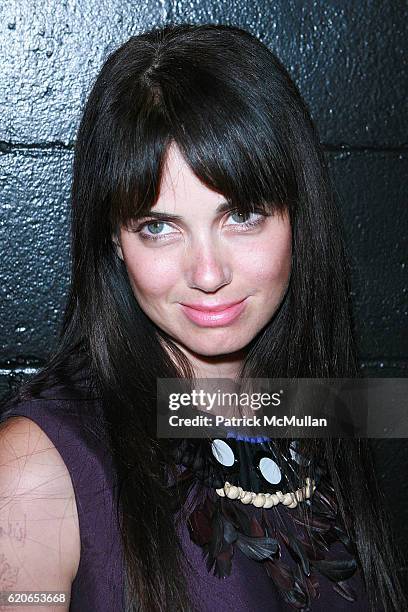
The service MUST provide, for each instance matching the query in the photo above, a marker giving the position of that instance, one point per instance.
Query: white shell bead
(247, 498)
(259, 500)
(309, 488)
(232, 492)
(220, 492)
(287, 499)
(299, 495)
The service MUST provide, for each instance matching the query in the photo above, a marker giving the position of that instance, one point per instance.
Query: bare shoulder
(39, 529)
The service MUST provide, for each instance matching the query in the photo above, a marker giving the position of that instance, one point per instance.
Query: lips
(217, 315)
(212, 307)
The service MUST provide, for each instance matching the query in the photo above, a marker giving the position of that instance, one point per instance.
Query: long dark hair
(240, 122)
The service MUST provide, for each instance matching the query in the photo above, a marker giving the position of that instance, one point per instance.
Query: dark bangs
(228, 120)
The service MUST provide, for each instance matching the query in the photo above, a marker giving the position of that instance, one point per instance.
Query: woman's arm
(39, 529)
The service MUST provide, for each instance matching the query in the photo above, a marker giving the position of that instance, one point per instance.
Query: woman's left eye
(245, 218)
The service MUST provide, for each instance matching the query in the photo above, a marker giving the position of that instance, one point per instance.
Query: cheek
(269, 264)
(150, 275)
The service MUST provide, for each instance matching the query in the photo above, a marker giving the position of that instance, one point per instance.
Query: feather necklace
(255, 501)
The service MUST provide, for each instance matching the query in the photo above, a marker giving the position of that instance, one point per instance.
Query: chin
(214, 349)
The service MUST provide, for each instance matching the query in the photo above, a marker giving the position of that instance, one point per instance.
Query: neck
(219, 366)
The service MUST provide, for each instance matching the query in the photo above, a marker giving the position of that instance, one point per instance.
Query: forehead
(181, 189)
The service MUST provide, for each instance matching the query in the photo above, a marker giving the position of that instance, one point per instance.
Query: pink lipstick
(213, 315)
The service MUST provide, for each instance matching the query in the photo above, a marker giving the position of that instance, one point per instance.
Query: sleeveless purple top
(99, 583)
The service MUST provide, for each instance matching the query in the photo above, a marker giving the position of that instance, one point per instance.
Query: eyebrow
(223, 207)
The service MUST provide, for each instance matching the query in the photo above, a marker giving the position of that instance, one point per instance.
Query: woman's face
(183, 269)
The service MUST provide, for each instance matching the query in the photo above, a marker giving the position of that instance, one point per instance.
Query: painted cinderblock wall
(349, 60)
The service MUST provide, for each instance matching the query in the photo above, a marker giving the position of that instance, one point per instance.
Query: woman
(198, 182)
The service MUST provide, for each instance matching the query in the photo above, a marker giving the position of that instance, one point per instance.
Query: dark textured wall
(349, 60)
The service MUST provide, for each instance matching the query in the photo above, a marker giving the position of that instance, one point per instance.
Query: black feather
(336, 570)
(257, 548)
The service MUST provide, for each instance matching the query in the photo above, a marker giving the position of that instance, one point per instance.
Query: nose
(208, 267)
